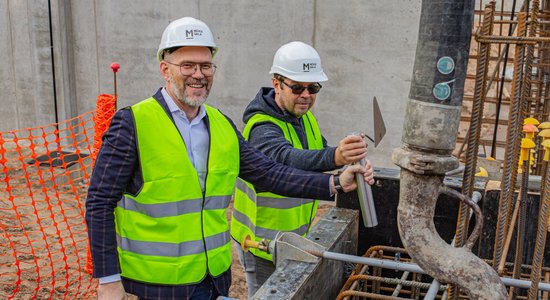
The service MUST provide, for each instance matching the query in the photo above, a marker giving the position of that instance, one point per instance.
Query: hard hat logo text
(190, 34)
(308, 66)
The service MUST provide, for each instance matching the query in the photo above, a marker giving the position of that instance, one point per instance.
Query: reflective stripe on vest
(175, 208)
(172, 249)
(264, 214)
(170, 232)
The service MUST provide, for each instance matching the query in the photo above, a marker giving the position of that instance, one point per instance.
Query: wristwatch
(337, 185)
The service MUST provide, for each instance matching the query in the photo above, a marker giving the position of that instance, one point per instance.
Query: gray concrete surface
(336, 231)
(25, 69)
(367, 49)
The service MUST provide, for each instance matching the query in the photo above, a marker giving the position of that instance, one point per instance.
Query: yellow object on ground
(531, 121)
(482, 172)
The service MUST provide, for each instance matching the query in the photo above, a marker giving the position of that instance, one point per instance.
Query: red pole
(115, 66)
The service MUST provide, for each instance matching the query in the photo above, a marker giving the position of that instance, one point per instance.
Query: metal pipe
(412, 267)
(433, 290)
(364, 193)
(429, 137)
(442, 261)
(366, 202)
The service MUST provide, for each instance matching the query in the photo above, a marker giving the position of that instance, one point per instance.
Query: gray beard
(190, 101)
(179, 92)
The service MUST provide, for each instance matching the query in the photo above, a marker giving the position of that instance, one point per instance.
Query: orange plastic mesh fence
(43, 184)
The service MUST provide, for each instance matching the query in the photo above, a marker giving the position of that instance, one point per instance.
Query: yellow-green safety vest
(262, 215)
(171, 232)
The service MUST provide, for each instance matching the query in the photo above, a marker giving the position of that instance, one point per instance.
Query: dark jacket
(117, 170)
(269, 138)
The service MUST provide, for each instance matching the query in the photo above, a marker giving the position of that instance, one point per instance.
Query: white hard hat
(186, 32)
(298, 61)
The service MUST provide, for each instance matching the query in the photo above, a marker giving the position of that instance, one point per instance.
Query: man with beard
(280, 124)
(163, 179)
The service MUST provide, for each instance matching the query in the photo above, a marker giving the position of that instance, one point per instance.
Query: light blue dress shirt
(194, 134)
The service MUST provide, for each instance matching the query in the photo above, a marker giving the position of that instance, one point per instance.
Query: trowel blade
(379, 126)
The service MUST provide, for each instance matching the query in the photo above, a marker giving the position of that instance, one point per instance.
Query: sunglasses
(299, 89)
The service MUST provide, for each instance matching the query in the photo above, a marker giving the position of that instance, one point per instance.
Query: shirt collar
(173, 107)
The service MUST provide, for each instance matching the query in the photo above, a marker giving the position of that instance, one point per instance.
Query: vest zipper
(311, 216)
(303, 127)
(204, 193)
(289, 134)
(315, 138)
(311, 128)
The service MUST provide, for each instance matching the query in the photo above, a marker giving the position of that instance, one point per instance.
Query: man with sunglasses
(163, 179)
(280, 124)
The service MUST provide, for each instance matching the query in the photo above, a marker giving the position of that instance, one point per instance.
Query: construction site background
(57, 59)
(367, 49)
(57, 53)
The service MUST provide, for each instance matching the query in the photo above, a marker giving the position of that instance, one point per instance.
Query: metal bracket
(422, 163)
(291, 246)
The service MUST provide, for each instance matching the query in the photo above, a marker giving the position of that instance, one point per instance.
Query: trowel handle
(364, 194)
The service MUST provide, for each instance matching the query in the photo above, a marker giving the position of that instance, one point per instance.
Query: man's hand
(350, 149)
(347, 178)
(111, 291)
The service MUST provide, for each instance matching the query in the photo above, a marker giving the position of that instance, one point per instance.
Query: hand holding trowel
(364, 191)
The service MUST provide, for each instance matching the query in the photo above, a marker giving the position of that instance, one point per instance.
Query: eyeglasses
(299, 89)
(189, 68)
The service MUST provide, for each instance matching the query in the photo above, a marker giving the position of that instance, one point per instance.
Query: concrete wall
(367, 49)
(26, 81)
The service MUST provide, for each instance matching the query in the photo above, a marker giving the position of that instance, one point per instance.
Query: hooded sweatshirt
(269, 138)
